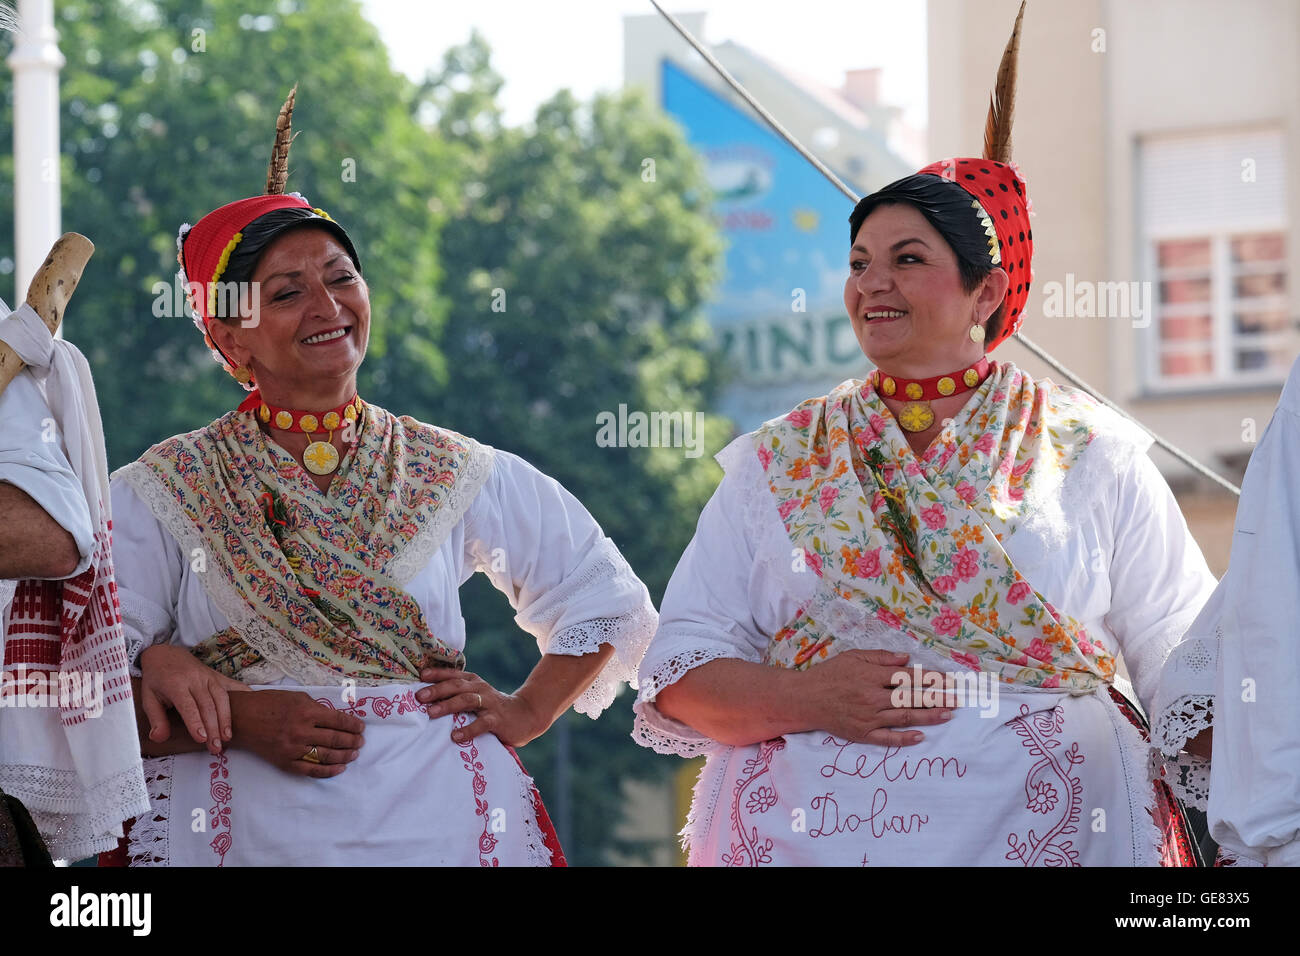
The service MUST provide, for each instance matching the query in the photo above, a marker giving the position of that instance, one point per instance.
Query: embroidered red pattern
(1053, 767)
(381, 707)
(221, 793)
(749, 848)
(487, 841)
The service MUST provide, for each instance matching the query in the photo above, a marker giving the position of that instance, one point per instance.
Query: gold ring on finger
(312, 756)
(479, 706)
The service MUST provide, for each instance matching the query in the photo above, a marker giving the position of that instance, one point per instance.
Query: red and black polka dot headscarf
(1004, 199)
(981, 207)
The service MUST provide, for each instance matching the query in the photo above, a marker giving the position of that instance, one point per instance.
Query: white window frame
(1224, 340)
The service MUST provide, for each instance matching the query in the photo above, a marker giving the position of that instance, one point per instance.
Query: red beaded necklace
(917, 415)
(319, 457)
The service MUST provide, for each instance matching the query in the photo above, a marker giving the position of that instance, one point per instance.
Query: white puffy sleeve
(32, 459)
(1254, 806)
(148, 565)
(1159, 583)
(707, 611)
(569, 584)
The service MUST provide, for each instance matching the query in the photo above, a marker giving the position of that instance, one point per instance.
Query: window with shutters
(1214, 240)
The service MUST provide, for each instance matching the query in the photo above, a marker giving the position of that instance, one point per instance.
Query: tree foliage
(574, 282)
(168, 110)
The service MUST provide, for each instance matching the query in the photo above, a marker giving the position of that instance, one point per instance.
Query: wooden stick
(51, 288)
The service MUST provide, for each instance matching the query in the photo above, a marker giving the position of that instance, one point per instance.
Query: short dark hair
(947, 207)
(265, 229)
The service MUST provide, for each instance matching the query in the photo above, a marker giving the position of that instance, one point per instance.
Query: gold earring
(243, 374)
(977, 334)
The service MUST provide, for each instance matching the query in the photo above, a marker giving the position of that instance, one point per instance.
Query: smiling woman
(948, 517)
(309, 546)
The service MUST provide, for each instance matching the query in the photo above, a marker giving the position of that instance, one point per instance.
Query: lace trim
(1181, 721)
(147, 844)
(144, 623)
(1187, 775)
(44, 788)
(646, 732)
(670, 671)
(256, 631)
(75, 822)
(535, 848)
(654, 730)
(1133, 754)
(704, 802)
(419, 551)
(630, 635)
(68, 838)
(603, 571)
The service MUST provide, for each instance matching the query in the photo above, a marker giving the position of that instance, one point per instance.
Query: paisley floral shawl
(919, 541)
(312, 582)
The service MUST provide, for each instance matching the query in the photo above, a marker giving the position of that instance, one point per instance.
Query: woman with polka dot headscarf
(946, 545)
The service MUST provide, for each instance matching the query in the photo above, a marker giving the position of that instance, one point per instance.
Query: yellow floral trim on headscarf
(220, 270)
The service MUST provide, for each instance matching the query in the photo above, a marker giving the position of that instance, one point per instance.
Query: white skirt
(1050, 780)
(412, 797)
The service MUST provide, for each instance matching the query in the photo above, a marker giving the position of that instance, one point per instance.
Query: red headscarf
(204, 251)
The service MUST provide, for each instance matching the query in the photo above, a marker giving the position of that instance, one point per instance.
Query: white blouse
(1110, 549)
(571, 587)
(32, 459)
(1250, 626)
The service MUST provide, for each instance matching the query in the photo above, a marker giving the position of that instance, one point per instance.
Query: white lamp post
(35, 62)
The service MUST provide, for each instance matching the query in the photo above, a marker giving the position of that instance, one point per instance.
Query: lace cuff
(143, 625)
(694, 647)
(1188, 777)
(603, 579)
(1180, 722)
(1187, 774)
(630, 636)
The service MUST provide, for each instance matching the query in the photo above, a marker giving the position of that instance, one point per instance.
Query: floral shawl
(919, 540)
(312, 582)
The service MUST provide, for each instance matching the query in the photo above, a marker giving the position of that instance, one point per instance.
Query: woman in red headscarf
(947, 545)
(291, 572)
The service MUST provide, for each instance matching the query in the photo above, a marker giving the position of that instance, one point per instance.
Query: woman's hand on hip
(511, 717)
(854, 694)
(171, 677)
(290, 730)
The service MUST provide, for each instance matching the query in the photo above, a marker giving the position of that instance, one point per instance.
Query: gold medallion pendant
(916, 416)
(322, 458)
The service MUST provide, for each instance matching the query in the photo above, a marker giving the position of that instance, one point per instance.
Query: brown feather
(1002, 104)
(278, 173)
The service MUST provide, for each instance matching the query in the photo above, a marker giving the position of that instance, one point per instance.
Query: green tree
(576, 261)
(168, 111)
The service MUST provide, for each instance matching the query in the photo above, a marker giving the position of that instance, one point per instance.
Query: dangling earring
(977, 334)
(243, 374)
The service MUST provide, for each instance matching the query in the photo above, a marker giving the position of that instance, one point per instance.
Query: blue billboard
(779, 311)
